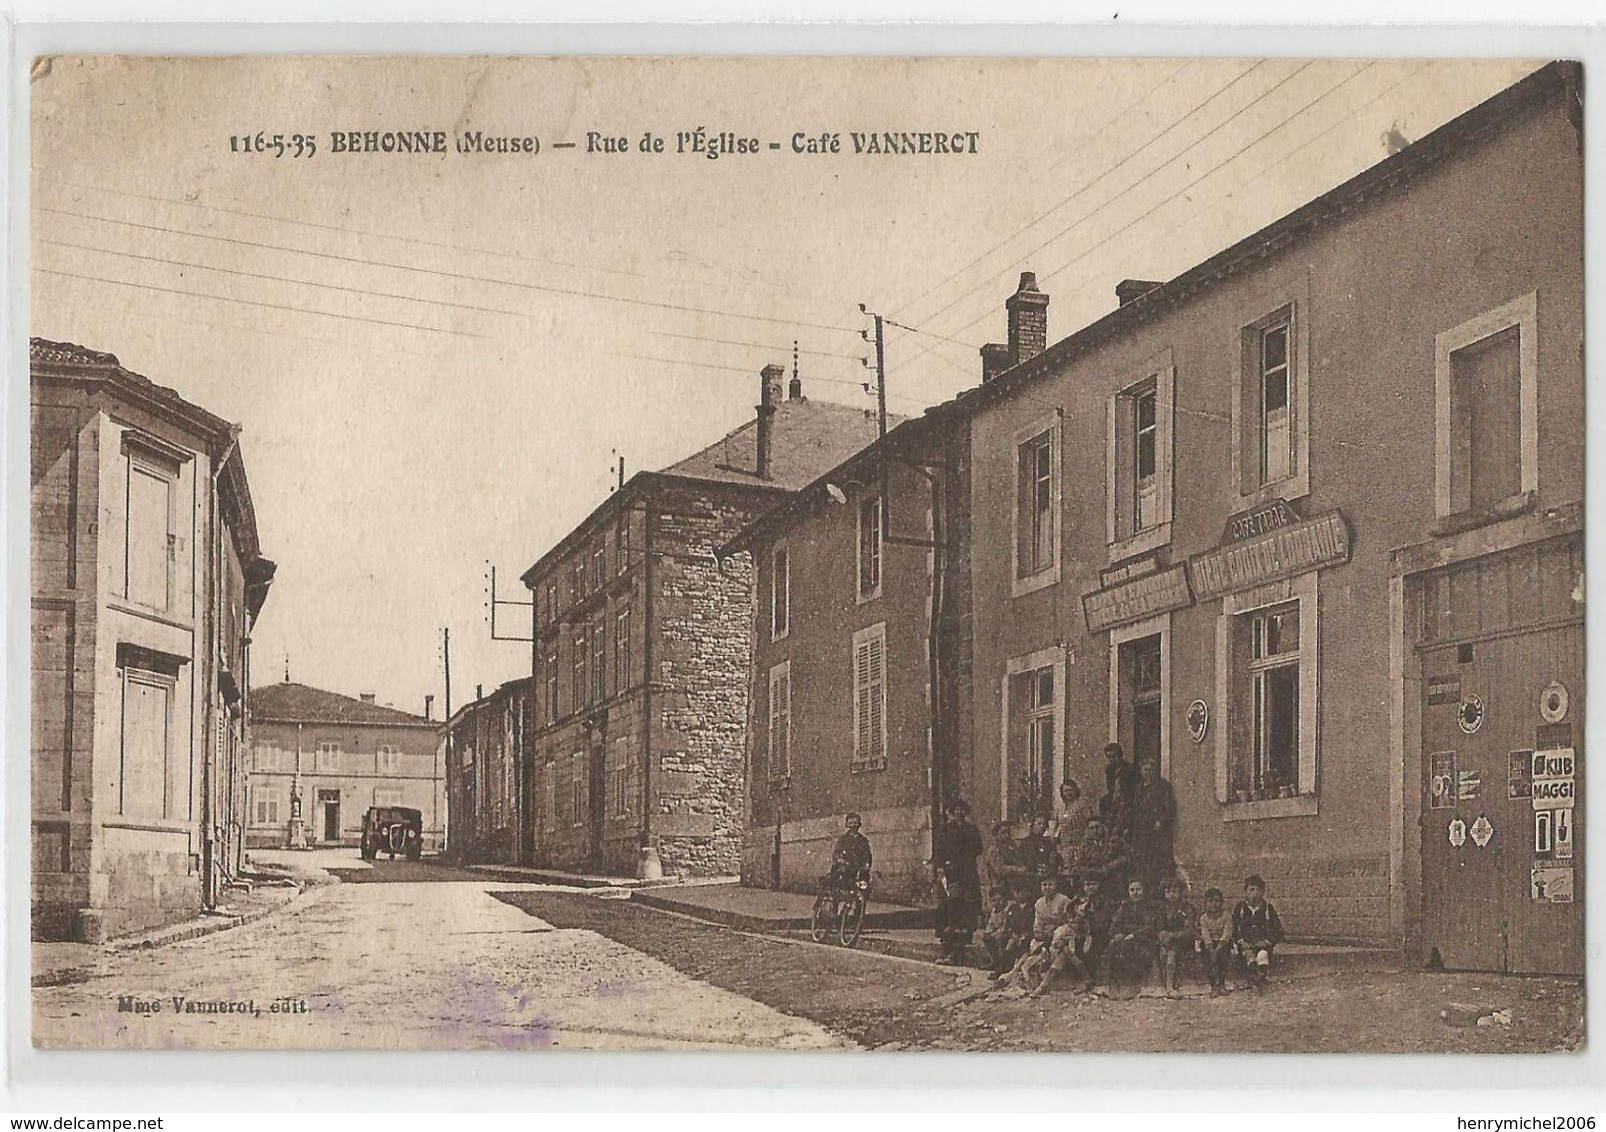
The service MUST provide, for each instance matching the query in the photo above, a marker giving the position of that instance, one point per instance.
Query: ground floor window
(1033, 723)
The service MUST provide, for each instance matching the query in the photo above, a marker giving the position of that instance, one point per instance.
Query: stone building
(634, 747)
(486, 739)
(1303, 525)
(146, 579)
(322, 759)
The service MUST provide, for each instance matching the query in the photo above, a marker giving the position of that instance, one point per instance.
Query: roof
(1549, 82)
(808, 438)
(493, 698)
(297, 703)
(69, 361)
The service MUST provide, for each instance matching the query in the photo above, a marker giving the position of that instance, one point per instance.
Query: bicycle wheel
(824, 913)
(851, 921)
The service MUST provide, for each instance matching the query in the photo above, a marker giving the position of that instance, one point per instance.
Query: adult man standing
(955, 850)
(1154, 818)
(1120, 786)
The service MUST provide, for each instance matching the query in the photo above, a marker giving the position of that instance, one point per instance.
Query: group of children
(1096, 939)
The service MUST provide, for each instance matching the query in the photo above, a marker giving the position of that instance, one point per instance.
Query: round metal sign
(1470, 714)
(1553, 702)
(1198, 720)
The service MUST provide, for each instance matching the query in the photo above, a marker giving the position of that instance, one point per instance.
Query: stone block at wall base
(88, 926)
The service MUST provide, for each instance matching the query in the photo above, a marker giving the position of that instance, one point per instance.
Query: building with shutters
(487, 739)
(1303, 525)
(319, 760)
(146, 579)
(633, 752)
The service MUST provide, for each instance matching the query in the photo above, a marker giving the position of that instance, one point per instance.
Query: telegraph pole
(446, 660)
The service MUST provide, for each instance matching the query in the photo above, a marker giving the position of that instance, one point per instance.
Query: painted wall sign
(1482, 831)
(1469, 717)
(1444, 690)
(1282, 553)
(1560, 762)
(1458, 833)
(1562, 820)
(1551, 883)
(1553, 702)
(1519, 774)
(1553, 782)
(1549, 736)
(1198, 720)
(1133, 601)
(1441, 780)
(1553, 794)
(1126, 571)
(1469, 784)
(1256, 521)
(1544, 833)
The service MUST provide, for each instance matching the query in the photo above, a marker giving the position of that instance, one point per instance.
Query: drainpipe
(650, 866)
(214, 569)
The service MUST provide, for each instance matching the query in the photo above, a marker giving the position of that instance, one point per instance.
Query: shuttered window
(870, 698)
(780, 735)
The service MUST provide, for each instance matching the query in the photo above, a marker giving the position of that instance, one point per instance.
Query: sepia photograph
(806, 554)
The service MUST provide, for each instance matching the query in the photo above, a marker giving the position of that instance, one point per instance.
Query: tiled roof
(809, 438)
(297, 703)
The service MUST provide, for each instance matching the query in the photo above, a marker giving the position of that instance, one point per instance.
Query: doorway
(1140, 706)
(329, 808)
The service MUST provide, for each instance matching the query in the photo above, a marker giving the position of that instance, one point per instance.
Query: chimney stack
(994, 360)
(429, 707)
(770, 379)
(368, 697)
(1028, 320)
(1128, 289)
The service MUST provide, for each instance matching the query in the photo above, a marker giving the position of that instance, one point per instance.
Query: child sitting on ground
(1214, 942)
(1051, 912)
(1133, 932)
(1176, 934)
(1007, 934)
(1065, 947)
(1256, 930)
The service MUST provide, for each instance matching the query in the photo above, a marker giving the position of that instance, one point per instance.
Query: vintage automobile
(396, 830)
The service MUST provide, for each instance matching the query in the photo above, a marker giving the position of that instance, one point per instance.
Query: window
(326, 756)
(552, 602)
(549, 809)
(152, 783)
(579, 578)
(1267, 679)
(780, 593)
(267, 805)
(1138, 503)
(869, 548)
(619, 780)
(780, 732)
(1037, 500)
(599, 567)
(869, 698)
(149, 540)
(388, 760)
(552, 685)
(1271, 425)
(621, 546)
(577, 661)
(577, 790)
(621, 649)
(1033, 724)
(599, 659)
(1486, 388)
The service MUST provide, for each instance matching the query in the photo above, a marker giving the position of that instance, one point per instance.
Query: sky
(438, 359)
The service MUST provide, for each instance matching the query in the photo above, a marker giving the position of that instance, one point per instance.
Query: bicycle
(841, 910)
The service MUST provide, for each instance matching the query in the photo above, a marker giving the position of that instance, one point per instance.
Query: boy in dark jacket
(1133, 939)
(1256, 930)
(1177, 933)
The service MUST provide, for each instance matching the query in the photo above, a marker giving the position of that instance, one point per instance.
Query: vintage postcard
(807, 554)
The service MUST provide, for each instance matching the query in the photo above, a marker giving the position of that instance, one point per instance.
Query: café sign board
(1282, 551)
(1146, 596)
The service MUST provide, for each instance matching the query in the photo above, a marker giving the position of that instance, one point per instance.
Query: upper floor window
(780, 594)
(326, 756)
(1037, 496)
(579, 578)
(621, 546)
(552, 603)
(552, 685)
(599, 566)
(869, 698)
(388, 759)
(149, 538)
(577, 661)
(1272, 439)
(599, 660)
(1486, 388)
(621, 649)
(780, 733)
(869, 547)
(1138, 504)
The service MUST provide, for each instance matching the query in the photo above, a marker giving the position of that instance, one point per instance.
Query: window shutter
(861, 702)
(878, 701)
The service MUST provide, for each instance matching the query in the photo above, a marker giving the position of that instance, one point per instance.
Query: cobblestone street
(404, 955)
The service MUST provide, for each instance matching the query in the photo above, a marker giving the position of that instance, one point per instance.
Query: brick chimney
(994, 360)
(368, 697)
(429, 707)
(1028, 320)
(770, 386)
(1128, 289)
